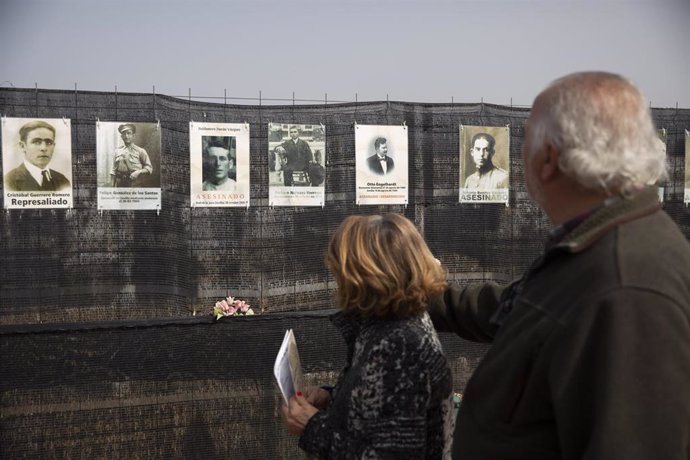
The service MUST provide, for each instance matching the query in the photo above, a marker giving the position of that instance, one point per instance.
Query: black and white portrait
(37, 155)
(484, 164)
(219, 164)
(128, 154)
(296, 164)
(381, 155)
(218, 154)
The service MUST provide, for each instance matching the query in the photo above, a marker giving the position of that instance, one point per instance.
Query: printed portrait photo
(484, 157)
(37, 155)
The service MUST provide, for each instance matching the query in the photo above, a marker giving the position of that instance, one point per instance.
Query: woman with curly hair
(393, 399)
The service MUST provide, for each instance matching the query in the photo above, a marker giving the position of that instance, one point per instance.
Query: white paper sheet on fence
(296, 164)
(381, 155)
(128, 163)
(484, 164)
(30, 146)
(219, 164)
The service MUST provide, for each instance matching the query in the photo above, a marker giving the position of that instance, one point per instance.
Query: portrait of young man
(485, 157)
(484, 163)
(36, 153)
(218, 158)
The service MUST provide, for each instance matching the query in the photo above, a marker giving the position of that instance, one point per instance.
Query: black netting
(75, 384)
(187, 388)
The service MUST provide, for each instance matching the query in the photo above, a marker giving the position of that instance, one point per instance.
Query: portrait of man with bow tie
(380, 163)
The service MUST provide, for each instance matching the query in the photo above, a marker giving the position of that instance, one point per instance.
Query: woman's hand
(296, 413)
(317, 397)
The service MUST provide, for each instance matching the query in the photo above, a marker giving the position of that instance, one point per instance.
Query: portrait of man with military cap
(131, 163)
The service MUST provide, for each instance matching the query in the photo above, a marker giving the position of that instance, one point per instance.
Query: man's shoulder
(500, 174)
(472, 180)
(59, 178)
(19, 171)
(19, 179)
(500, 171)
(138, 149)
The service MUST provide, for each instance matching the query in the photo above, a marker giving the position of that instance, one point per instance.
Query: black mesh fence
(181, 388)
(101, 354)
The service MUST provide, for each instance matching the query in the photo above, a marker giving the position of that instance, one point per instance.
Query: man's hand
(135, 174)
(297, 413)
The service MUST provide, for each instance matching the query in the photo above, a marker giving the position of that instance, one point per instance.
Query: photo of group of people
(37, 164)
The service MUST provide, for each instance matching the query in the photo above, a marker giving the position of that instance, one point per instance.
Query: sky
(496, 51)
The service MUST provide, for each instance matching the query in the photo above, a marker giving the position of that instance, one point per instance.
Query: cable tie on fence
(158, 125)
(98, 123)
(246, 125)
(64, 120)
(404, 123)
(4, 120)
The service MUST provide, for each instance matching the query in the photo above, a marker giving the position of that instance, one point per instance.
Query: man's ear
(548, 168)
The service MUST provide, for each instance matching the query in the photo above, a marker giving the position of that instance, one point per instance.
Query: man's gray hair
(602, 127)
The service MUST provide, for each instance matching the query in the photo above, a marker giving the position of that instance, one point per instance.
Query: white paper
(14, 154)
(235, 192)
(302, 187)
(287, 368)
(376, 186)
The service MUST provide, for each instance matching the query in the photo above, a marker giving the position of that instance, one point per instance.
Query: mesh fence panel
(100, 353)
(188, 388)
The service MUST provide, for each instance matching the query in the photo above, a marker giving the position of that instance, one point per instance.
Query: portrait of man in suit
(297, 156)
(37, 144)
(380, 163)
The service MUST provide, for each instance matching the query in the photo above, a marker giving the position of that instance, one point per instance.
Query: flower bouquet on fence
(232, 307)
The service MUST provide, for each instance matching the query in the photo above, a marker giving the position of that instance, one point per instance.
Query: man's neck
(34, 170)
(571, 201)
(486, 169)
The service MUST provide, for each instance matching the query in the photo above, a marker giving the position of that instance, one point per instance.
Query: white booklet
(287, 368)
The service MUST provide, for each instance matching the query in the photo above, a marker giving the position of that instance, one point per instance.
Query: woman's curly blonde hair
(383, 267)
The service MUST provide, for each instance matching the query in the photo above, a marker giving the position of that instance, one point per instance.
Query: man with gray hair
(590, 354)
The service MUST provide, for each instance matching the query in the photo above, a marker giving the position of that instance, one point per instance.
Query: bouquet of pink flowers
(232, 307)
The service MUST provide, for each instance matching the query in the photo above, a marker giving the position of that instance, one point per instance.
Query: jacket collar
(613, 213)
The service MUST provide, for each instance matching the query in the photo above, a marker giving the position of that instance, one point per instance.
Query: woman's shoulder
(410, 335)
